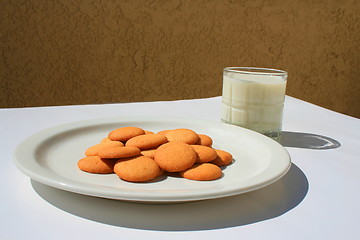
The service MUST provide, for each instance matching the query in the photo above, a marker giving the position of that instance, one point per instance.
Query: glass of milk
(253, 98)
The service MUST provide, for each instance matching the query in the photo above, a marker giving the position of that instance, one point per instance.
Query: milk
(254, 101)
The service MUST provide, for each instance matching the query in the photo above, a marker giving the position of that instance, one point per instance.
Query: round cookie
(149, 153)
(223, 158)
(105, 140)
(146, 141)
(175, 156)
(161, 172)
(119, 152)
(95, 164)
(204, 140)
(205, 154)
(202, 172)
(182, 135)
(125, 133)
(137, 169)
(163, 132)
(94, 150)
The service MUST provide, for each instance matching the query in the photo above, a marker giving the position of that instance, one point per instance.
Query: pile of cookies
(138, 155)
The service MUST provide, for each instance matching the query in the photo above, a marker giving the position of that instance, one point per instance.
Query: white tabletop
(317, 199)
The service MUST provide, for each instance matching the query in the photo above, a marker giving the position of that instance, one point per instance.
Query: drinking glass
(253, 98)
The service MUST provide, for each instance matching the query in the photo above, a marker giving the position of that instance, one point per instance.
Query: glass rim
(256, 71)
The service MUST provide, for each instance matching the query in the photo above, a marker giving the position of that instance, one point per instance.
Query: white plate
(51, 156)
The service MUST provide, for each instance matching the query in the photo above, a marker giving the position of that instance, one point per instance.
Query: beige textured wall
(79, 52)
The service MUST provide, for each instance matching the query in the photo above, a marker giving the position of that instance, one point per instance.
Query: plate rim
(86, 189)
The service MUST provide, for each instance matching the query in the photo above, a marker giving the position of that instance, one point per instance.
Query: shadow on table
(307, 140)
(266, 203)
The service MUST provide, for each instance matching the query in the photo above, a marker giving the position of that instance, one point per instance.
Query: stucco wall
(79, 52)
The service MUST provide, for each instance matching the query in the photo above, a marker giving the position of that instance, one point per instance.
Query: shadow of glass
(307, 140)
(266, 203)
